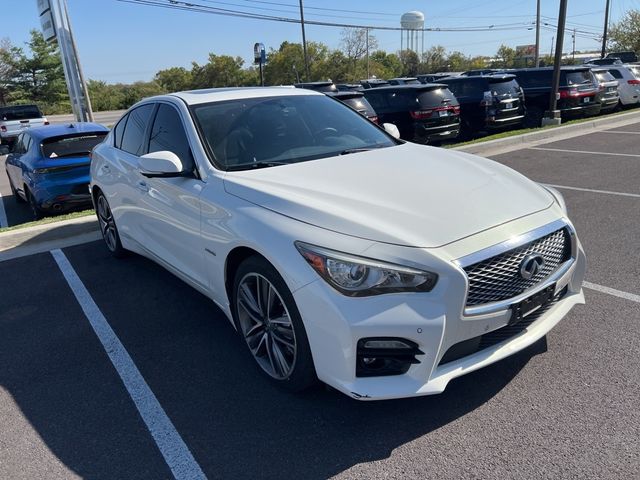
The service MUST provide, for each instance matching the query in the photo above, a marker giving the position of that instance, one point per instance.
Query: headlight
(557, 195)
(357, 276)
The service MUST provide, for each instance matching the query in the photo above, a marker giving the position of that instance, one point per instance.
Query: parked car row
(447, 106)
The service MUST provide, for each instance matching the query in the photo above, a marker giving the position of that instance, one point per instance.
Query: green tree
(385, 65)
(174, 79)
(410, 63)
(220, 71)
(39, 77)
(505, 57)
(457, 62)
(286, 64)
(434, 60)
(354, 47)
(106, 97)
(8, 61)
(625, 34)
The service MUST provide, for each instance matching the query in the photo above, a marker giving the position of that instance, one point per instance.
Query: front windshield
(267, 131)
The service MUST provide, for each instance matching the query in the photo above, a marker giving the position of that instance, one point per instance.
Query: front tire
(267, 317)
(108, 227)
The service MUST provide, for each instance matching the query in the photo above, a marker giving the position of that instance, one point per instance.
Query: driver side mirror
(4, 149)
(161, 164)
(391, 129)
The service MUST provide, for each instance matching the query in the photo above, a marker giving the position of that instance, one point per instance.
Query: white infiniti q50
(382, 268)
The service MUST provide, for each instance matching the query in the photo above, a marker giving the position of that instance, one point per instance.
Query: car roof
(422, 86)
(323, 83)
(345, 95)
(478, 78)
(196, 97)
(403, 78)
(49, 131)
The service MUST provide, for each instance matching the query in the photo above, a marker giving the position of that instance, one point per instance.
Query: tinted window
(360, 105)
(635, 71)
(119, 130)
(505, 88)
(18, 147)
(615, 73)
(581, 77)
(466, 88)
(284, 129)
(19, 112)
(72, 146)
(134, 130)
(535, 79)
(377, 100)
(168, 134)
(27, 141)
(436, 97)
(604, 77)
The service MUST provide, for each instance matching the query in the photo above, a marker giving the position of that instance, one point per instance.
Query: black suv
(578, 92)
(404, 81)
(487, 102)
(373, 83)
(356, 101)
(423, 113)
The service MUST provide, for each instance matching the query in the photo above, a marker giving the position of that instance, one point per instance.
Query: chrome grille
(498, 278)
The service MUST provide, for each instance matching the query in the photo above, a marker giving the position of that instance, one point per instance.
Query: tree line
(34, 74)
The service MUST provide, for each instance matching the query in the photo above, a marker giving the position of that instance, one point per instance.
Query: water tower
(412, 33)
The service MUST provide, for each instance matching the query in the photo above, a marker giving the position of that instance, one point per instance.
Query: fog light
(385, 356)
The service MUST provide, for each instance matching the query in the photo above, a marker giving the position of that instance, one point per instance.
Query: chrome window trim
(512, 243)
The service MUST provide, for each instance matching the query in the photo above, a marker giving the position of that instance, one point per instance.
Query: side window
(118, 130)
(133, 136)
(27, 141)
(168, 134)
(18, 147)
(615, 73)
(377, 101)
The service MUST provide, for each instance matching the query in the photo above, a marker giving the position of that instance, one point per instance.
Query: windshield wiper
(361, 149)
(254, 165)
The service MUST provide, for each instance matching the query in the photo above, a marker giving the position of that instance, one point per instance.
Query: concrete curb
(547, 135)
(42, 238)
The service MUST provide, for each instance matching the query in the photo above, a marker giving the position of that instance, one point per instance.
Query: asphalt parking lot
(568, 407)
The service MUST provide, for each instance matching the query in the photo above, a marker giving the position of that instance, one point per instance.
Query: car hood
(407, 195)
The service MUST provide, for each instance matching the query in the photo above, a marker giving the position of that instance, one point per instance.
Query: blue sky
(123, 42)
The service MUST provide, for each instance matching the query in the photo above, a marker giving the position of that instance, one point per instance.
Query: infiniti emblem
(531, 266)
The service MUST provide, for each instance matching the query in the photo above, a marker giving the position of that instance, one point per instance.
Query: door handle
(143, 186)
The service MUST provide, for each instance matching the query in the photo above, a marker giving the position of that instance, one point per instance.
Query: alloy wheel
(266, 325)
(107, 224)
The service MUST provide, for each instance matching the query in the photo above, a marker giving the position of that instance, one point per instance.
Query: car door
(170, 207)
(120, 176)
(14, 162)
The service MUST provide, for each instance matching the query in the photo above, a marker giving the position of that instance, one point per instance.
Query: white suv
(628, 77)
(17, 118)
(383, 268)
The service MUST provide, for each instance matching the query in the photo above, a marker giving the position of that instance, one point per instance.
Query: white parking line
(3, 214)
(591, 190)
(619, 131)
(173, 449)
(612, 291)
(584, 151)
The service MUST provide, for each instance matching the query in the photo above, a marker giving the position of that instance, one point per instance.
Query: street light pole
(538, 34)
(552, 116)
(304, 43)
(606, 27)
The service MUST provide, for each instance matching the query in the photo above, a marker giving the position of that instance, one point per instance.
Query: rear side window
(468, 88)
(377, 100)
(134, 130)
(360, 105)
(535, 79)
(615, 73)
(635, 71)
(19, 112)
(168, 134)
(72, 146)
(118, 130)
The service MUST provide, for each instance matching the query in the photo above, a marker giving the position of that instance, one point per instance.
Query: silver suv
(628, 77)
(16, 119)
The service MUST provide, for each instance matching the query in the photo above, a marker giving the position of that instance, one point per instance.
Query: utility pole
(553, 39)
(538, 34)
(573, 54)
(304, 43)
(367, 32)
(606, 27)
(552, 116)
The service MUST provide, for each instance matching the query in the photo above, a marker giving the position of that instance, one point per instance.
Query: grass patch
(47, 220)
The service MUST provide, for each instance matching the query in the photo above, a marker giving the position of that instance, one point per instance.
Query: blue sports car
(48, 167)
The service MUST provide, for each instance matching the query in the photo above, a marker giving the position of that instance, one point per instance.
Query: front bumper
(435, 321)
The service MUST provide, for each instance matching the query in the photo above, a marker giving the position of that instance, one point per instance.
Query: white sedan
(338, 252)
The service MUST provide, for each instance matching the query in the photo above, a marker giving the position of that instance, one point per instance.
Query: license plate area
(586, 99)
(531, 304)
(444, 113)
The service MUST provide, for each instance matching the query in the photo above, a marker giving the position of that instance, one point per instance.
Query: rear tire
(14, 192)
(36, 212)
(108, 227)
(268, 319)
